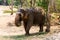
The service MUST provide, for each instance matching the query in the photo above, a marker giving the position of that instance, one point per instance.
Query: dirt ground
(7, 28)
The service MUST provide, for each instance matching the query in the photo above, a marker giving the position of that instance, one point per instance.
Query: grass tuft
(8, 11)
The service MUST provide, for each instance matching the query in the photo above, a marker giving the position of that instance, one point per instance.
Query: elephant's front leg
(41, 28)
(29, 24)
(25, 27)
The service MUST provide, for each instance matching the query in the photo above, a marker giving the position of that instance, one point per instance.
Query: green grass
(8, 11)
(24, 37)
(40, 35)
(16, 7)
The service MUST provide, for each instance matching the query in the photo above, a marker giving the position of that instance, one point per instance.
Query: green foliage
(0, 1)
(17, 2)
(8, 1)
(43, 3)
(58, 5)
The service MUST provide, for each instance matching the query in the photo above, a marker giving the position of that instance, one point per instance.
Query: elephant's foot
(47, 30)
(27, 34)
(40, 30)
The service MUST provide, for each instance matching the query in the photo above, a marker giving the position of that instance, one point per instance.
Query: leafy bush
(8, 1)
(43, 3)
(17, 2)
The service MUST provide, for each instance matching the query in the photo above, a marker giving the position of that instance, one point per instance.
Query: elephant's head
(20, 16)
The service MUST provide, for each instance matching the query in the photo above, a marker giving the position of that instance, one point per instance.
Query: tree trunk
(4, 2)
(21, 2)
(48, 15)
(12, 3)
(32, 3)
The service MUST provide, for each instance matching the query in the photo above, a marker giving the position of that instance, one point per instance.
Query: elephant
(31, 17)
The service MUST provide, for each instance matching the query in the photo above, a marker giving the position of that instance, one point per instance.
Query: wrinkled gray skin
(30, 17)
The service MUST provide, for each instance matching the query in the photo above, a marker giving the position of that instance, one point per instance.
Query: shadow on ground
(23, 37)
